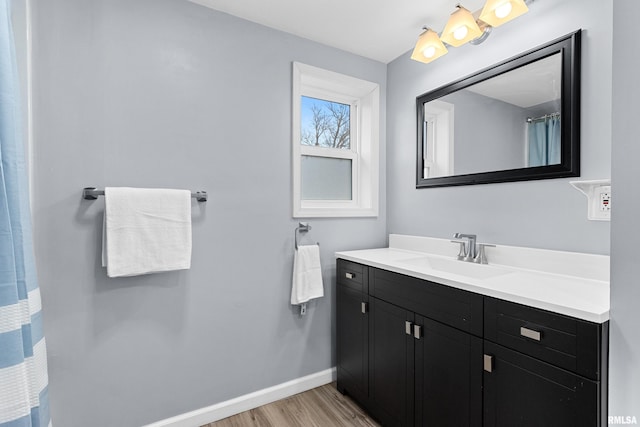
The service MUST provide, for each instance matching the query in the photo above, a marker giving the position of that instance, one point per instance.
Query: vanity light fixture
(498, 12)
(428, 47)
(463, 27)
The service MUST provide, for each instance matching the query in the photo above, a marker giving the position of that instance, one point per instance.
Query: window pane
(325, 178)
(325, 123)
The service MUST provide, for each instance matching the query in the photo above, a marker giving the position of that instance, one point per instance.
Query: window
(335, 144)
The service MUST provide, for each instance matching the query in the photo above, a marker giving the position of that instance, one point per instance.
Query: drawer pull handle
(530, 333)
(407, 327)
(364, 307)
(349, 275)
(417, 331)
(488, 363)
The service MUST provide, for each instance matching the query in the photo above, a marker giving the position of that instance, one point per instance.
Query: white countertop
(567, 283)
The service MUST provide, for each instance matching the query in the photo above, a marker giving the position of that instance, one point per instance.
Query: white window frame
(363, 97)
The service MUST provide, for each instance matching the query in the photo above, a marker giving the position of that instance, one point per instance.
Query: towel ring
(303, 227)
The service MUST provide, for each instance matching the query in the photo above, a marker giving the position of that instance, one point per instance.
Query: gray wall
(166, 93)
(624, 385)
(488, 134)
(543, 214)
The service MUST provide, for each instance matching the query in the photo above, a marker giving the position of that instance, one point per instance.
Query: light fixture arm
(486, 31)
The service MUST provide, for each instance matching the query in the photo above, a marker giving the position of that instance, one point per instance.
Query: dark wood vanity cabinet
(543, 368)
(448, 376)
(352, 341)
(440, 357)
(524, 391)
(417, 353)
(391, 359)
(421, 371)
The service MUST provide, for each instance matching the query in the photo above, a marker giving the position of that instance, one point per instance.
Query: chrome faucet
(470, 251)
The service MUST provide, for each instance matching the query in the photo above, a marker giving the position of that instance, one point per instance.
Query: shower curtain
(23, 358)
(544, 141)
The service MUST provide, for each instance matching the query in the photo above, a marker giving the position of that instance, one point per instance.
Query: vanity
(424, 339)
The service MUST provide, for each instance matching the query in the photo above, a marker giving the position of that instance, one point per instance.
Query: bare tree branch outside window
(325, 123)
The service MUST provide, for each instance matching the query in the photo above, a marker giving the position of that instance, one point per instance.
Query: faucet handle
(462, 254)
(481, 257)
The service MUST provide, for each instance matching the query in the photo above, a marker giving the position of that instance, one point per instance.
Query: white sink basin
(461, 268)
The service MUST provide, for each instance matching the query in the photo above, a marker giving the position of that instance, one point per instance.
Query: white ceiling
(378, 29)
(527, 86)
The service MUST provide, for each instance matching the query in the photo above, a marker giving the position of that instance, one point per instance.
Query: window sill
(335, 213)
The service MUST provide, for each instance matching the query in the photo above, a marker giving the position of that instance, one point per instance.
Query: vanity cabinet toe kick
(418, 353)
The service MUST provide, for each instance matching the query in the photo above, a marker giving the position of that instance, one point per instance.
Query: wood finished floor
(320, 407)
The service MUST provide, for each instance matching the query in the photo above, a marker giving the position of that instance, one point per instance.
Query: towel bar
(92, 193)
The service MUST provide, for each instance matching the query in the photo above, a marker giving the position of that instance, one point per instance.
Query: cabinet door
(526, 392)
(448, 376)
(391, 360)
(352, 332)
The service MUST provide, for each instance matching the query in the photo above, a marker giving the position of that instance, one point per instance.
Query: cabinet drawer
(352, 275)
(453, 307)
(569, 343)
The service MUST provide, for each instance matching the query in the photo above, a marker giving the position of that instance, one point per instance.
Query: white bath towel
(146, 231)
(307, 275)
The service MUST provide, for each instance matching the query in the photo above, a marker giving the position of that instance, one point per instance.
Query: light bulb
(503, 10)
(428, 47)
(460, 32)
(429, 52)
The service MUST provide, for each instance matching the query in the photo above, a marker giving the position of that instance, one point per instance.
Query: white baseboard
(248, 401)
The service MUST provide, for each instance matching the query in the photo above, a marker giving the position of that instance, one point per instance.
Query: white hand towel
(146, 231)
(307, 275)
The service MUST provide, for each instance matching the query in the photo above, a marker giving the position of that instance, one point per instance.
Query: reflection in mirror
(508, 122)
(504, 123)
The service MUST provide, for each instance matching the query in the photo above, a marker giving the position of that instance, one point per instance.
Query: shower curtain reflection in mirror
(544, 138)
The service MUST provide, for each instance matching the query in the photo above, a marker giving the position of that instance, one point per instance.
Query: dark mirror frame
(569, 47)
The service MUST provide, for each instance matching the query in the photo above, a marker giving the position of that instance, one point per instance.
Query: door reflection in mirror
(439, 119)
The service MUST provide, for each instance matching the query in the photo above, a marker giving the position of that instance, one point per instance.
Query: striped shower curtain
(23, 356)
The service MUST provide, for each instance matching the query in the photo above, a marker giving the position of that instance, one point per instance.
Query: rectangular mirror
(518, 120)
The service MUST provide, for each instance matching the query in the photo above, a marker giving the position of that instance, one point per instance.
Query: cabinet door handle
(349, 275)
(488, 363)
(417, 331)
(364, 307)
(407, 327)
(530, 333)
